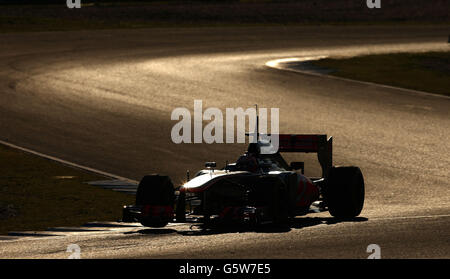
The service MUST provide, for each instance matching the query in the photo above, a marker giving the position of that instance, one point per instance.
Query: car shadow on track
(297, 223)
(233, 229)
(150, 231)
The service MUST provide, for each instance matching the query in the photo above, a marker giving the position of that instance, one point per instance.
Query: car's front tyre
(155, 195)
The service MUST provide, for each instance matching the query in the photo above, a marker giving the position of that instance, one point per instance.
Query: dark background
(232, 12)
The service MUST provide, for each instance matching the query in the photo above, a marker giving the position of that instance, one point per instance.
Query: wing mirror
(210, 165)
(298, 166)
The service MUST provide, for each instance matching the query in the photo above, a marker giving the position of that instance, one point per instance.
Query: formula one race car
(257, 189)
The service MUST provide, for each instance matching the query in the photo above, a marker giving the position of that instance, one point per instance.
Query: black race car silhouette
(258, 189)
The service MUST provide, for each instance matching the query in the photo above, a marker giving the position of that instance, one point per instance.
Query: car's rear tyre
(344, 192)
(155, 190)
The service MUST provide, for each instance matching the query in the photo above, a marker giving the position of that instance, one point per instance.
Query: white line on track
(410, 217)
(283, 64)
(60, 234)
(52, 158)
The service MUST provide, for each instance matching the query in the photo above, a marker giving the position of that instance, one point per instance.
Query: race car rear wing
(309, 144)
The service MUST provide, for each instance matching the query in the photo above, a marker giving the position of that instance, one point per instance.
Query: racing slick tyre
(344, 192)
(155, 194)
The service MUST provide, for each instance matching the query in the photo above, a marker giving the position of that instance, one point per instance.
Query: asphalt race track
(103, 99)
